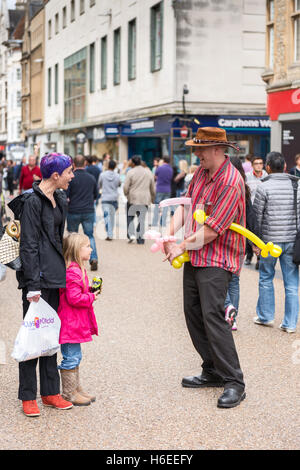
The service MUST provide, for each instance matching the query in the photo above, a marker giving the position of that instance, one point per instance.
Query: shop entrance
(146, 147)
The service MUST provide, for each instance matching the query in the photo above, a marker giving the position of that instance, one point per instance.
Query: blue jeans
(71, 355)
(265, 308)
(233, 293)
(158, 198)
(87, 221)
(109, 212)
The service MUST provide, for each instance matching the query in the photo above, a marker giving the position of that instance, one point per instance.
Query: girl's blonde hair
(72, 244)
(183, 166)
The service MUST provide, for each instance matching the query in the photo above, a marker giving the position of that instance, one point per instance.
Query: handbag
(296, 250)
(10, 245)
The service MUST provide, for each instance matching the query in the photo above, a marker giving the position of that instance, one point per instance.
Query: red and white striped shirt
(225, 191)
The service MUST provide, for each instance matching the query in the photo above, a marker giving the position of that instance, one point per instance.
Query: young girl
(78, 322)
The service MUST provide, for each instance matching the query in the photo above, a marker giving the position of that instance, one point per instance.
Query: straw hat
(209, 137)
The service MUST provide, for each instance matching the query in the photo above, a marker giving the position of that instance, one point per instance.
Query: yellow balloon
(266, 249)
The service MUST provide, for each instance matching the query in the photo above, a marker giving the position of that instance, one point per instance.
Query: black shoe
(94, 265)
(203, 380)
(257, 265)
(247, 261)
(231, 398)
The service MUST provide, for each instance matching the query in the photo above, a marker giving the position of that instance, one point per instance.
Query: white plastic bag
(39, 333)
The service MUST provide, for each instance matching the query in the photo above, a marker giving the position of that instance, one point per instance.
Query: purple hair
(54, 162)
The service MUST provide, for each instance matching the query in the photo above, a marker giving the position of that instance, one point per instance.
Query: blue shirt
(164, 176)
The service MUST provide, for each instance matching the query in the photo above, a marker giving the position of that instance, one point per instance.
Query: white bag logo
(39, 333)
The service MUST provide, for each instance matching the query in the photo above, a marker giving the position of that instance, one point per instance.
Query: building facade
(135, 77)
(282, 76)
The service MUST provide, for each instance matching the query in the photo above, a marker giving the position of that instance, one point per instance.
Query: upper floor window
(117, 56)
(49, 29)
(296, 21)
(72, 13)
(270, 34)
(49, 86)
(82, 6)
(132, 50)
(92, 67)
(92, 3)
(103, 62)
(56, 84)
(56, 23)
(64, 17)
(156, 33)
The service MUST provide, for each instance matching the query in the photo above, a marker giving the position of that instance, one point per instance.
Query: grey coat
(274, 208)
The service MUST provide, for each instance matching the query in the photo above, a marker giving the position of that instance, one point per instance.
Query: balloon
(175, 201)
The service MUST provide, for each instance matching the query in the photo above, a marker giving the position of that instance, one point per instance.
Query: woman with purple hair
(42, 212)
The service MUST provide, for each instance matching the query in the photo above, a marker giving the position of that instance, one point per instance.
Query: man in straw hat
(215, 253)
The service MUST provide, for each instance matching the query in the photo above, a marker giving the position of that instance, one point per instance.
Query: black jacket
(43, 265)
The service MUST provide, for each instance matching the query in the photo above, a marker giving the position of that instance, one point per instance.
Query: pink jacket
(78, 321)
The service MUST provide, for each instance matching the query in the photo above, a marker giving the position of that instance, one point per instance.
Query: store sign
(244, 123)
(111, 130)
(142, 126)
(184, 132)
(98, 134)
(16, 151)
(81, 137)
(290, 141)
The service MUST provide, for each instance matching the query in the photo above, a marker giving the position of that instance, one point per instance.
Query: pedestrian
(247, 165)
(215, 254)
(180, 177)
(92, 167)
(82, 194)
(189, 177)
(105, 159)
(17, 171)
(10, 177)
(139, 188)
(233, 294)
(29, 174)
(253, 179)
(296, 169)
(163, 178)
(78, 321)
(109, 183)
(42, 214)
(155, 164)
(276, 220)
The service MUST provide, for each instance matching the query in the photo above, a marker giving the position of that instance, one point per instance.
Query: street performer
(215, 254)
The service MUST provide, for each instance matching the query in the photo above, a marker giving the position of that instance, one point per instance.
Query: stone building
(282, 75)
(135, 76)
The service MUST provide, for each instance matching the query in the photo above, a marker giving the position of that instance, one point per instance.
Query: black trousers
(140, 211)
(49, 376)
(204, 296)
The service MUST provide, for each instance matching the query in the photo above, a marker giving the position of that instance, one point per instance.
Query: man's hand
(256, 250)
(172, 250)
(35, 298)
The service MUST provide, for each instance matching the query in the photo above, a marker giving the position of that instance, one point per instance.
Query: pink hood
(78, 321)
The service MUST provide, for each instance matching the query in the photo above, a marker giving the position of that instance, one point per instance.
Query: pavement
(136, 364)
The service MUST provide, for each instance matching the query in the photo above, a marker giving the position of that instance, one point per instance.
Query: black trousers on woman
(204, 292)
(49, 376)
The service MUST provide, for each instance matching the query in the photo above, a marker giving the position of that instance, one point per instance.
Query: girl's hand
(96, 293)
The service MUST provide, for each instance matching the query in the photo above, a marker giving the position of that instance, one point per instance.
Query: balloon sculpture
(200, 217)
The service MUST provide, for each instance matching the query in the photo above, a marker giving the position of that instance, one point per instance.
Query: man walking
(139, 188)
(109, 183)
(82, 193)
(163, 178)
(215, 253)
(276, 219)
(29, 174)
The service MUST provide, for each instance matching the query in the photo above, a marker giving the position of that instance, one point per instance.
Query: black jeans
(49, 376)
(205, 291)
(140, 211)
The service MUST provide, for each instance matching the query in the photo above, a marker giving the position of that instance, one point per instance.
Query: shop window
(132, 50)
(156, 33)
(270, 33)
(103, 62)
(75, 78)
(117, 56)
(296, 29)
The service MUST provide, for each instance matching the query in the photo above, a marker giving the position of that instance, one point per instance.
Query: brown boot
(69, 386)
(92, 398)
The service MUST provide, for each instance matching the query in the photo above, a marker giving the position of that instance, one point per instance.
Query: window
(117, 56)
(49, 29)
(156, 36)
(64, 17)
(132, 50)
(72, 10)
(270, 34)
(19, 75)
(56, 84)
(56, 24)
(296, 20)
(103, 62)
(75, 78)
(92, 68)
(49, 86)
(92, 3)
(19, 100)
(81, 9)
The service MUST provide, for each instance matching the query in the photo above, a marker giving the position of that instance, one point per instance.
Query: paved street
(136, 364)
